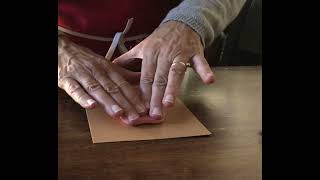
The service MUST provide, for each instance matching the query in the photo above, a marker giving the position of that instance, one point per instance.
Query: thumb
(129, 56)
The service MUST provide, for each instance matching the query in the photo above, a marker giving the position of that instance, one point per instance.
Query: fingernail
(116, 108)
(91, 102)
(210, 78)
(169, 98)
(156, 111)
(141, 108)
(132, 116)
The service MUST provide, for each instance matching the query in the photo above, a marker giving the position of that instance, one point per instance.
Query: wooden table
(230, 109)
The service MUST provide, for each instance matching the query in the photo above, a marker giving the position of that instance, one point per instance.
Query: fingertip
(209, 79)
(168, 104)
(114, 112)
(117, 60)
(203, 69)
(156, 113)
(119, 113)
(125, 121)
(133, 116)
(126, 56)
(156, 117)
(129, 119)
(168, 100)
(90, 104)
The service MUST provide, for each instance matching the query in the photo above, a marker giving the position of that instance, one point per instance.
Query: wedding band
(186, 65)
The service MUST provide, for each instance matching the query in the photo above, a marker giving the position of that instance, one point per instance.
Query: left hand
(161, 72)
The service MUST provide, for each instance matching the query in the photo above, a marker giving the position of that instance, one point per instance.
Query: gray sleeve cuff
(194, 20)
(206, 17)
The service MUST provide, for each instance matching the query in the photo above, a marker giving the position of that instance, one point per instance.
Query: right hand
(90, 79)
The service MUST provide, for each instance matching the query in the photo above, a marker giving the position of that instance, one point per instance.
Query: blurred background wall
(240, 45)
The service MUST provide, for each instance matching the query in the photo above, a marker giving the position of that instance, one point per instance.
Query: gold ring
(186, 65)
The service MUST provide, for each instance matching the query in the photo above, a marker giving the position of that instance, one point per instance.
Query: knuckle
(111, 88)
(161, 80)
(72, 88)
(72, 64)
(148, 80)
(124, 84)
(92, 87)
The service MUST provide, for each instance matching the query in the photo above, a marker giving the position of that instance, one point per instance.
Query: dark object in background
(240, 44)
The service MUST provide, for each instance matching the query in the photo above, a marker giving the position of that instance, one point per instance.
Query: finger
(142, 120)
(97, 92)
(148, 119)
(201, 66)
(129, 56)
(130, 76)
(134, 65)
(148, 70)
(113, 90)
(176, 74)
(159, 86)
(76, 92)
(127, 90)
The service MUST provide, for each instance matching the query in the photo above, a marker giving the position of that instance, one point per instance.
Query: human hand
(164, 54)
(90, 79)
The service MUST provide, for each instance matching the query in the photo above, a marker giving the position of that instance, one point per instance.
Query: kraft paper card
(179, 122)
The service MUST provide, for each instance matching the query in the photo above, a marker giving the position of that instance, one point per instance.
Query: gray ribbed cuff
(194, 20)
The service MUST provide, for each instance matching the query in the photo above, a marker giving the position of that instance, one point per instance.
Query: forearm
(207, 17)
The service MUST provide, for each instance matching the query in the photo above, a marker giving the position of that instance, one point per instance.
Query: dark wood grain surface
(230, 109)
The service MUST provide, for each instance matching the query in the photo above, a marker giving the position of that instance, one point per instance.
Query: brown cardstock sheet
(179, 122)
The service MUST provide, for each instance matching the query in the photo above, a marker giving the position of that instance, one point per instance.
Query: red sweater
(106, 17)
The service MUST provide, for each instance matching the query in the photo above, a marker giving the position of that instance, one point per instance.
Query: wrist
(183, 28)
(194, 21)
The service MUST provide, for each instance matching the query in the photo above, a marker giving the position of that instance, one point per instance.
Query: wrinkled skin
(161, 72)
(90, 80)
(145, 119)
